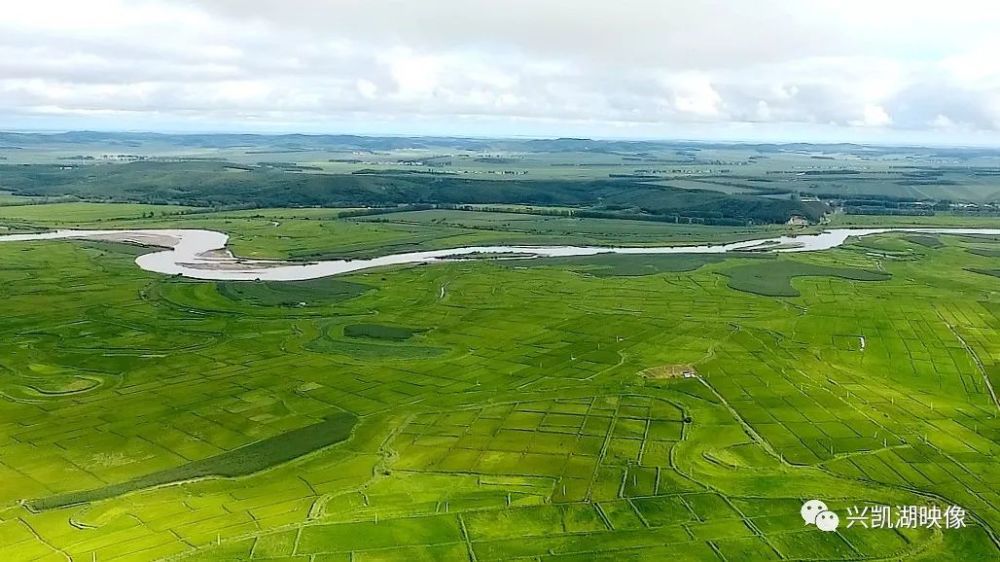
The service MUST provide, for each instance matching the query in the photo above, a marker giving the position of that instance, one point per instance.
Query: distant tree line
(208, 184)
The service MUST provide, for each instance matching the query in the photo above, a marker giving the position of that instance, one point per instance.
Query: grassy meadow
(492, 410)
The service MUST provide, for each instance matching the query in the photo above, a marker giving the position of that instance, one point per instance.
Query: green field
(493, 409)
(73, 214)
(242, 461)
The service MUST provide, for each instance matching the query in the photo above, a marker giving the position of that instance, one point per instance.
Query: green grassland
(241, 461)
(940, 220)
(9, 199)
(73, 214)
(291, 294)
(515, 421)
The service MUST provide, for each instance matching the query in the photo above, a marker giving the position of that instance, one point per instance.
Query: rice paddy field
(605, 408)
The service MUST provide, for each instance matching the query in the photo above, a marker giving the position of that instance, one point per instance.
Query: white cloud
(694, 94)
(650, 66)
(874, 116)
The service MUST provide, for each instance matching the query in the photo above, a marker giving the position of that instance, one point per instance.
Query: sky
(877, 71)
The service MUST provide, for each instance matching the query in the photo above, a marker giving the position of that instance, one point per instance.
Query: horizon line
(665, 140)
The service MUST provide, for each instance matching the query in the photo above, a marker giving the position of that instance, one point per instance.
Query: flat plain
(615, 407)
(493, 410)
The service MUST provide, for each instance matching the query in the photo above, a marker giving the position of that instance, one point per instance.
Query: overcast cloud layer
(875, 70)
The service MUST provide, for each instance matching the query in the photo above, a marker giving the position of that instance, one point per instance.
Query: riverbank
(203, 254)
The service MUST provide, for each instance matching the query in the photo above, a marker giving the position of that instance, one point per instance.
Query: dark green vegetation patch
(993, 272)
(368, 351)
(624, 265)
(774, 279)
(231, 464)
(979, 238)
(985, 252)
(292, 293)
(379, 332)
(212, 184)
(925, 240)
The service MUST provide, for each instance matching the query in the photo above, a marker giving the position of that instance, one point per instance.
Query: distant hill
(294, 142)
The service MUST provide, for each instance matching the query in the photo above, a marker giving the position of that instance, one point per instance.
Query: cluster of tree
(892, 212)
(891, 205)
(686, 218)
(374, 211)
(843, 172)
(208, 184)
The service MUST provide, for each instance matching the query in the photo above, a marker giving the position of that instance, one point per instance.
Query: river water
(202, 254)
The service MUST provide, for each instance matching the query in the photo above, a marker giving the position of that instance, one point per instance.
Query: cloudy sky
(856, 70)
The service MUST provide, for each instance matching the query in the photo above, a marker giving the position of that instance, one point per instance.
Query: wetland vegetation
(610, 407)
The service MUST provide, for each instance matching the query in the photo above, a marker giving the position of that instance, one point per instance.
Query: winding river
(202, 254)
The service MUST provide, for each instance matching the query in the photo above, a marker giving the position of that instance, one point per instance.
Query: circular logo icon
(827, 521)
(811, 509)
